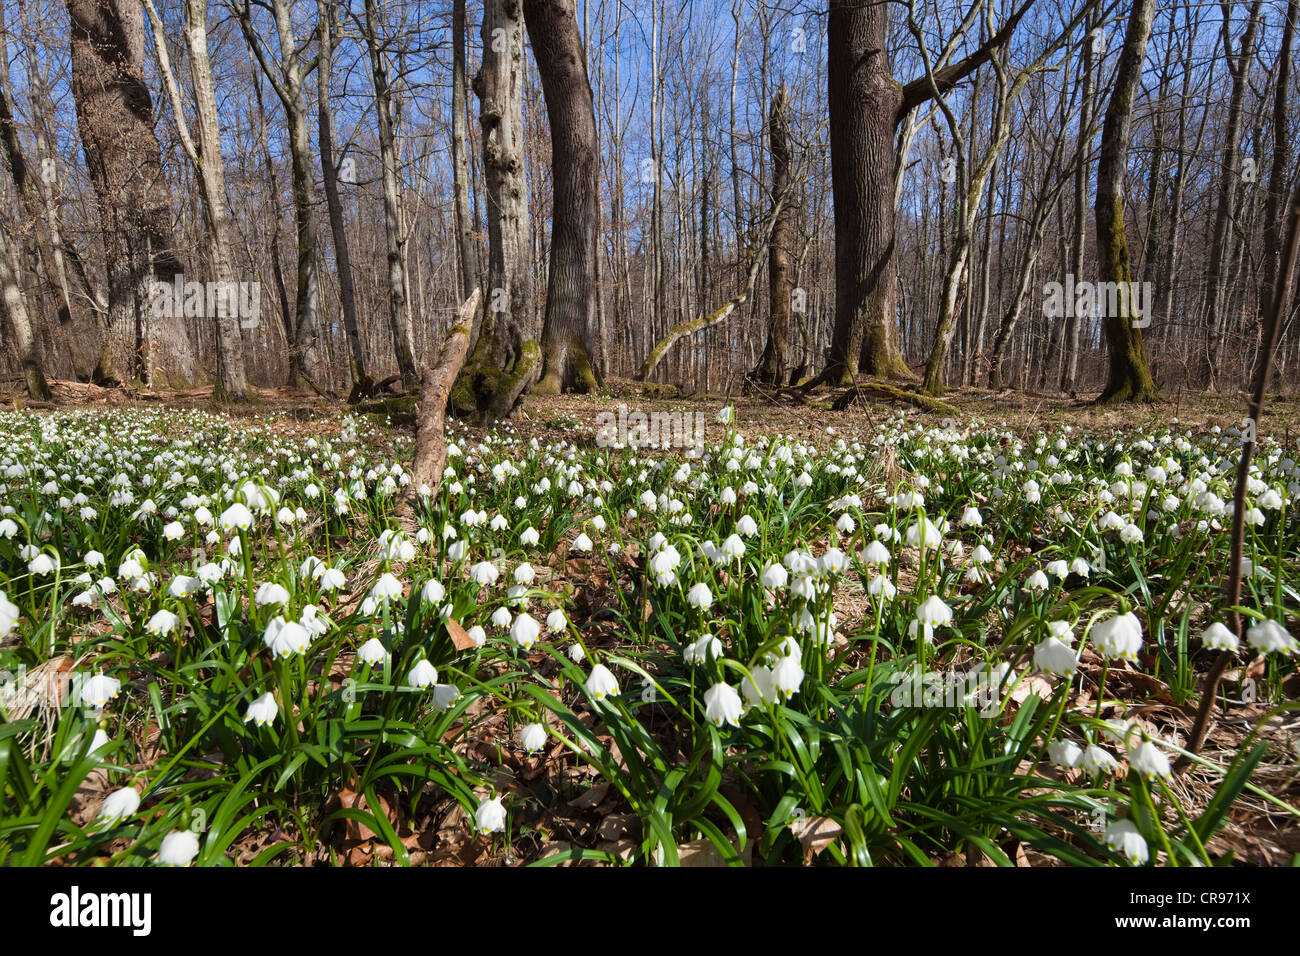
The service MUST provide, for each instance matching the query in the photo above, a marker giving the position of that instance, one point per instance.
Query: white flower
(42, 564)
(722, 705)
(270, 593)
(1037, 582)
(372, 652)
(934, 612)
(1097, 760)
(484, 573)
(178, 848)
(501, 617)
(601, 683)
(529, 536)
(1218, 638)
(702, 649)
(490, 817)
(173, 531)
(1065, 753)
(445, 695)
(100, 689)
(8, 614)
(262, 711)
(762, 688)
(747, 526)
(700, 596)
(183, 585)
(874, 553)
(774, 576)
(1123, 837)
(733, 547)
(1118, 637)
(532, 737)
(556, 621)
(236, 516)
(386, 587)
(423, 674)
(970, 518)
(118, 804)
(524, 574)
(787, 675)
(524, 630)
(1055, 657)
(581, 543)
(1149, 762)
(477, 635)
(576, 653)
(1268, 636)
(164, 622)
(286, 638)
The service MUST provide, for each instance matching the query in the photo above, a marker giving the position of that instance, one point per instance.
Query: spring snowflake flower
(774, 576)
(747, 526)
(445, 695)
(1097, 760)
(372, 652)
(576, 653)
(484, 573)
(42, 564)
(183, 585)
(93, 559)
(761, 689)
(881, 587)
(1123, 837)
(787, 675)
(1065, 753)
(286, 638)
(581, 543)
(490, 817)
(1055, 657)
(1268, 636)
(934, 612)
(733, 547)
(970, 518)
(387, 587)
(556, 621)
(477, 635)
(601, 683)
(1037, 582)
(845, 524)
(525, 630)
(262, 711)
(270, 593)
(532, 737)
(722, 705)
(1216, 637)
(701, 649)
(423, 674)
(433, 591)
(237, 516)
(164, 622)
(524, 574)
(700, 596)
(1118, 637)
(99, 690)
(501, 617)
(179, 848)
(332, 579)
(8, 614)
(664, 566)
(118, 805)
(529, 537)
(1130, 534)
(874, 553)
(1149, 761)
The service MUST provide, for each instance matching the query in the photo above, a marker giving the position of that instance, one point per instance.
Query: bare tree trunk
(775, 361)
(468, 250)
(569, 341)
(362, 383)
(123, 156)
(392, 223)
(13, 308)
(1129, 377)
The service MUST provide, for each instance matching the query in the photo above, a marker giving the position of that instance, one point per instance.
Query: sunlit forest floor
(822, 767)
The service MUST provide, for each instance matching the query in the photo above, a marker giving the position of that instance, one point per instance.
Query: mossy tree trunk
(504, 360)
(1129, 377)
(570, 339)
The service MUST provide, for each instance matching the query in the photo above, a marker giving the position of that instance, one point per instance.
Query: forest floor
(598, 819)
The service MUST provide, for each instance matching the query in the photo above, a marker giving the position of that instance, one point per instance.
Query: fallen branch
(431, 409)
(889, 392)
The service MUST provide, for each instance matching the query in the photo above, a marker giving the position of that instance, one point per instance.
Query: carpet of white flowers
(909, 645)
